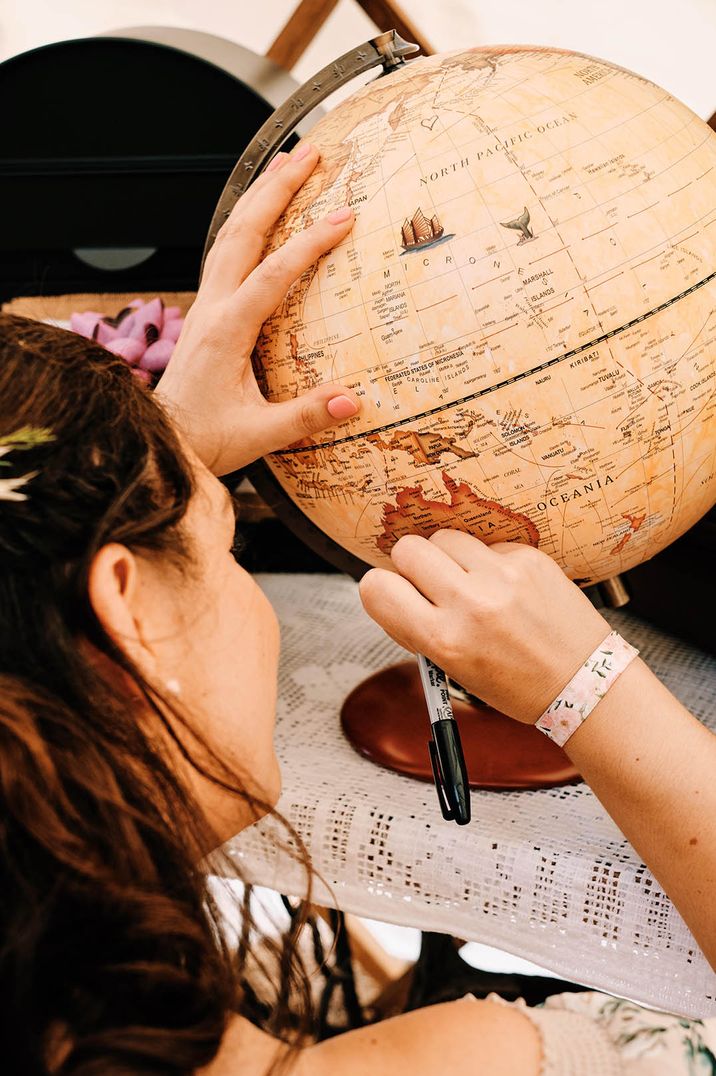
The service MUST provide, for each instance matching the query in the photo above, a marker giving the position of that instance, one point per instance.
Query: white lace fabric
(545, 875)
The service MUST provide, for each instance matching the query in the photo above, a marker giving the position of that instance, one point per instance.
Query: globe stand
(613, 592)
(385, 719)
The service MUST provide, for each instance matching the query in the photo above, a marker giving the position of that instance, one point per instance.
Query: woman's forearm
(505, 622)
(653, 766)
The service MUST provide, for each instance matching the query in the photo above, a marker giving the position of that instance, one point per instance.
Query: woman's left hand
(209, 385)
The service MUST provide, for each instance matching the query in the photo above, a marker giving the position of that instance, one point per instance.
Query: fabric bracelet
(589, 684)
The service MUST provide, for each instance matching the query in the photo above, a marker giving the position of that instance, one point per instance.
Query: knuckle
(365, 587)
(251, 234)
(533, 563)
(487, 609)
(370, 589)
(512, 571)
(405, 548)
(219, 236)
(408, 541)
(288, 180)
(444, 643)
(440, 537)
(234, 225)
(526, 552)
(276, 267)
(231, 230)
(319, 238)
(308, 418)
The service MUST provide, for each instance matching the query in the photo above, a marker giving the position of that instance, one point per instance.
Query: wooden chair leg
(299, 32)
(388, 15)
(310, 15)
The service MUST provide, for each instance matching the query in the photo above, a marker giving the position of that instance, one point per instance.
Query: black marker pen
(446, 757)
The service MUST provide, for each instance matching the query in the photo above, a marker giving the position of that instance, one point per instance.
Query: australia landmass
(424, 447)
(413, 513)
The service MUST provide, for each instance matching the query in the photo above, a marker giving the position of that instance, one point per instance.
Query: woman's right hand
(503, 620)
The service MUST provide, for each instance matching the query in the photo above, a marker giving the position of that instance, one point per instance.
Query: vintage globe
(526, 306)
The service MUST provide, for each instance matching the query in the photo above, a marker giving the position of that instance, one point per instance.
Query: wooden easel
(310, 15)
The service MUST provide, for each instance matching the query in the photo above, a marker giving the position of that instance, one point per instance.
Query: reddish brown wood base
(386, 720)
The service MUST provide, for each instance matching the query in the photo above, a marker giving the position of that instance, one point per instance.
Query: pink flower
(143, 334)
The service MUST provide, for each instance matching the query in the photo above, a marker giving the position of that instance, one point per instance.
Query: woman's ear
(114, 588)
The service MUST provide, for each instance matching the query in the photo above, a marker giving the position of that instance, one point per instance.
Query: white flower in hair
(24, 438)
(10, 488)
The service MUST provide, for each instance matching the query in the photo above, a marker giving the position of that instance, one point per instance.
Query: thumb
(308, 414)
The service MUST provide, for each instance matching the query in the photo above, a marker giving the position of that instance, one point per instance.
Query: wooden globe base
(385, 719)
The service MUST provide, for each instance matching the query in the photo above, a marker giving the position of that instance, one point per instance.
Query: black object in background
(117, 142)
(676, 589)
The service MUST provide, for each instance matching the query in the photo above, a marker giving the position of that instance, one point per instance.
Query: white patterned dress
(592, 1034)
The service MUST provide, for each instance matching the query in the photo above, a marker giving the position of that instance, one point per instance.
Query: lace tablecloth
(544, 875)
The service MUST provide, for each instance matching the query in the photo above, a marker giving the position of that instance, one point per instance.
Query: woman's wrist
(628, 711)
(557, 653)
(587, 687)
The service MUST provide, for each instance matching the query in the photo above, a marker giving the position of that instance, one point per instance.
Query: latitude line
(594, 342)
(506, 248)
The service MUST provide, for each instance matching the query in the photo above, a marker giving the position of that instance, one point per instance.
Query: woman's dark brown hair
(112, 958)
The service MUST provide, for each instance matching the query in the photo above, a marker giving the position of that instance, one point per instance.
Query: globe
(526, 307)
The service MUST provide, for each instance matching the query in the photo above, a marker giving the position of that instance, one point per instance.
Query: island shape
(413, 513)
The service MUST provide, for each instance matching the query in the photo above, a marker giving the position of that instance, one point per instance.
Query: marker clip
(447, 811)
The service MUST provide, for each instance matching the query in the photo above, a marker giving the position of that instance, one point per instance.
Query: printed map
(526, 306)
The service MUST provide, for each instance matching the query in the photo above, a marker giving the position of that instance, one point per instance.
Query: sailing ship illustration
(420, 232)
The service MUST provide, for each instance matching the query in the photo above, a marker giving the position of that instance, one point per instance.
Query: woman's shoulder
(466, 1036)
(574, 1033)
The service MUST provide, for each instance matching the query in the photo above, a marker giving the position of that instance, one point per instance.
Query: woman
(137, 690)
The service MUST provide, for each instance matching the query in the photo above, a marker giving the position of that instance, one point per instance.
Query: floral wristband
(589, 684)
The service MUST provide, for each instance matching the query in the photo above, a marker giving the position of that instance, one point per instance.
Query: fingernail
(278, 161)
(338, 216)
(341, 407)
(302, 151)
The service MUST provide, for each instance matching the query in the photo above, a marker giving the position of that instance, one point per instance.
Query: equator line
(594, 342)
